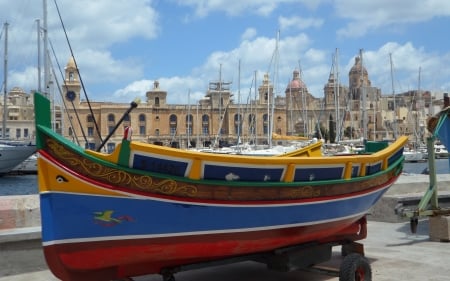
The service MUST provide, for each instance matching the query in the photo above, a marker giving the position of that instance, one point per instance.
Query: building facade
(356, 111)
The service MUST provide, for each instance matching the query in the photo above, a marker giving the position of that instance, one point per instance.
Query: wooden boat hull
(144, 233)
(103, 217)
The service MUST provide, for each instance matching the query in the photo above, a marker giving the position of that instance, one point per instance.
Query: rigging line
(79, 75)
(62, 97)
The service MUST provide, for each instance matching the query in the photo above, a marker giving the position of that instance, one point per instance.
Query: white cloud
(368, 15)
(249, 34)
(260, 7)
(102, 23)
(299, 23)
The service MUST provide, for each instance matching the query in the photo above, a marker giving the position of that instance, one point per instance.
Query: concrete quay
(407, 191)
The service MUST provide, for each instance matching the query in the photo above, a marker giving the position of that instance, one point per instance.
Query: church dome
(356, 68)
(296, 82)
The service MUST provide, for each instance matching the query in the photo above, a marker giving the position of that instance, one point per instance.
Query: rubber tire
(355, 267)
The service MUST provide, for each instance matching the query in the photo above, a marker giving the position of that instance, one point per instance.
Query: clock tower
(72, 84)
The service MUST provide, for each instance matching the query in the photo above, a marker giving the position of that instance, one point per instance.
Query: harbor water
(27, 184)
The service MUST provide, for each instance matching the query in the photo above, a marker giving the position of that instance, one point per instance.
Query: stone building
(19, 122)
(217, 120)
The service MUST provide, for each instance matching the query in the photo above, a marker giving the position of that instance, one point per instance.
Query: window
(110, 129)
(111, 118)
(90, 145)
(142, 130)
(237, 124)
(110, 147)
(205, 124)
(25, 133)
(126, 117)
(141, 117)
(157, 101)
(173, 124)
(251, 124)
(189, 125)
(70, 131)
(157, 132)
(173, 131)
(18, 133)
(265, 124)
(205, 130)
(90, 131)
(89, 118)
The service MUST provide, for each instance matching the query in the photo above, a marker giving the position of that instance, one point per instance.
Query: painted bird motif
(106, 218)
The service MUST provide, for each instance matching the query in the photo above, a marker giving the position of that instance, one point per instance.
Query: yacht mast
(393, 95)
(38, 23)
(46, 66)
(363, 98)
(5, 84)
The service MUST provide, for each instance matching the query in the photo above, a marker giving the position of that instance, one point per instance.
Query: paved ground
(394, 254)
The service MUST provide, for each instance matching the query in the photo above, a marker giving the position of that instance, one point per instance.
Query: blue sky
(123, 46)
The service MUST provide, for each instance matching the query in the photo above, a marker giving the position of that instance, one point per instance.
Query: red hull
(123, 258)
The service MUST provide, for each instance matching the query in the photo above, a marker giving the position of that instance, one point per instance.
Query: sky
(121, 47)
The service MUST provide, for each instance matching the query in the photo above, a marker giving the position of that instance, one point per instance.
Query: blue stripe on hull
(73, 216)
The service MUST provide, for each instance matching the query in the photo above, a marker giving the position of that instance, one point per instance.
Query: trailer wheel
(355, 267)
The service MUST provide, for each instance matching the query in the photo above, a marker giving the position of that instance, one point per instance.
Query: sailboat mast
(275, 89)
(46, 66)
(5, 79)
(239, 105)
(393, 95)
(189, 121)
(363, 98)
(38, 23)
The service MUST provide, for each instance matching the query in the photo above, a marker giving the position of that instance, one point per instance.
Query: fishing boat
(148, 209)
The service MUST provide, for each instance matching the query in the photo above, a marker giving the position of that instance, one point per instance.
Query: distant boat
(28, 166)
(12, 153)
(148, 209)
(440, 151)
(413, 155)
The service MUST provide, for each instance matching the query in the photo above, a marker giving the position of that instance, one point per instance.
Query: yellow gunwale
(289, 162)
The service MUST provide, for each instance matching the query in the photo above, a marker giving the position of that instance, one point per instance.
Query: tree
(332, 129)
(349, 132)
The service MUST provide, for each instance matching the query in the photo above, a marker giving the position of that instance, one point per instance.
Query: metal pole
(5, 84)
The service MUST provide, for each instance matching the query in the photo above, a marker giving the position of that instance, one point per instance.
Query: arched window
(173, 124)
(89, 118)
(265, 124)
(111, 118)
(238, 124)
(205, 124)
(126, 117)
(251, 124)
(141, 117)
(189, 125)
